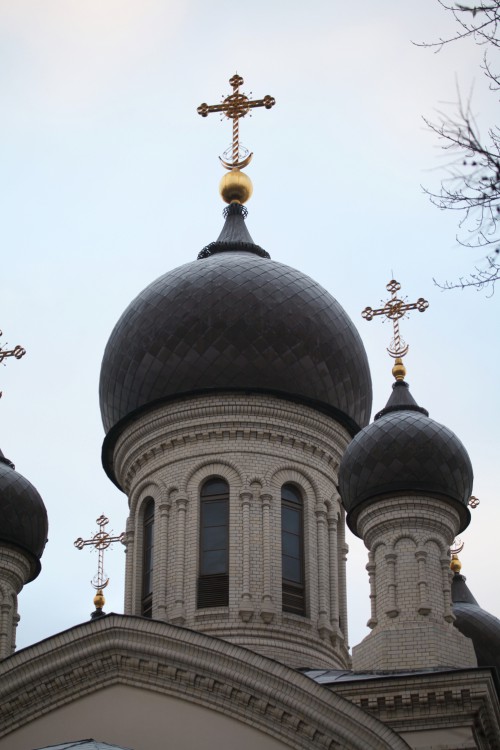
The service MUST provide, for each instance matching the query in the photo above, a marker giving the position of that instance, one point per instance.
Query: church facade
(236, 395)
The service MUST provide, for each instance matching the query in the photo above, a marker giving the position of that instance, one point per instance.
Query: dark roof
(474, 622)
(235, 321)
(23, 518)
(404, 450)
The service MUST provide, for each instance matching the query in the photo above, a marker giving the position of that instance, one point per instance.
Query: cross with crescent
(234, 107)
(395, 309)
(101, 540)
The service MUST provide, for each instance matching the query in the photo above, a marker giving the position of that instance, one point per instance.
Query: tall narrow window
(213, 580)
(147, 558)
(292, 550)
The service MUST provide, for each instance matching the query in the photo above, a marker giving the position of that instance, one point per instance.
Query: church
(235, 394)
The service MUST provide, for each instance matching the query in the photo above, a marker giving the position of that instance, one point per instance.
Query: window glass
(147, 558)
(213, 580)
(292, 550)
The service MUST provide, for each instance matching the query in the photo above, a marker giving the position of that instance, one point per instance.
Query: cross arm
(267, 102)
(16, 352)
(205, 109)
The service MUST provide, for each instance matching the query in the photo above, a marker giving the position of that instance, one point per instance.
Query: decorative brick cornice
(174, 661)
(227, 418)
(431, 700)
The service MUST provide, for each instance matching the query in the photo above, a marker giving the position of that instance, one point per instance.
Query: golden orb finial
(236, 187)
(399, 370)
(455, 564)
(99, 600)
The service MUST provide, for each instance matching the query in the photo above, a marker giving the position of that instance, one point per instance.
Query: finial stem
(394, 309)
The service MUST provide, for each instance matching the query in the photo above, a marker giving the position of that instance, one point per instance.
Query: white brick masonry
(408, 539)
(257, 443)
(15, 569)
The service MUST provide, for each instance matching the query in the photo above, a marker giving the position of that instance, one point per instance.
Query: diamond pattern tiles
(24, 518)
(404, 451)
(482, 628)
(235, 320)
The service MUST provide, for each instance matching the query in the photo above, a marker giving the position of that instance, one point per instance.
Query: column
(128, 542)
(371, 568)
(424, 606)
(246, 606)
(267, 609)
(447, 576)
(392, 610)
(324, 626)
(343, 550)
(332, 518)
(179, 611)
(161, 561)
(6, 640)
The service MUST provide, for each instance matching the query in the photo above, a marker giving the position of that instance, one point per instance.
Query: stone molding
(223, 418)
(419, 702)
(119, 649)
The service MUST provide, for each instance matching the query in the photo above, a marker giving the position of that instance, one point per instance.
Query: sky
(109, 178)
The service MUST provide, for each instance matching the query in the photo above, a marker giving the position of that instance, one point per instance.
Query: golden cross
(16, 352)
(101, 540)
(234, 107)
(395, 309)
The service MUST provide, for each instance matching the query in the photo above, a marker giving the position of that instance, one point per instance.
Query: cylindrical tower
(405, 481)
(23, 534)
(229, 390)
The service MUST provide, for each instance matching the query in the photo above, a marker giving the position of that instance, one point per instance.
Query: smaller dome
(23, 517)
(475, 623)
(403, 451)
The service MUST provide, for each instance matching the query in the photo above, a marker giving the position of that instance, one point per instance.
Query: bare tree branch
(472, 184)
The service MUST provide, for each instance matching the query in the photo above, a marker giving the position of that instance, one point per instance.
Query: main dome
(235, 320)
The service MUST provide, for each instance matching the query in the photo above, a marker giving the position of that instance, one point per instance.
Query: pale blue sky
(108, 178)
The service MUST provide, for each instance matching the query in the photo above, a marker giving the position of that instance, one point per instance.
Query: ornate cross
(234, 107)
(395, 309)
(101, 540)
(16, 352)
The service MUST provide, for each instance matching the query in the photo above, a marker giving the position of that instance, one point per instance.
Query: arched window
(147, 558)
(213, 579)
(292, 550)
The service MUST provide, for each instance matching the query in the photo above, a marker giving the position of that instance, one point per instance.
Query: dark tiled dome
(474, 622)
(23, 518)
(402, 451)
(235, 320)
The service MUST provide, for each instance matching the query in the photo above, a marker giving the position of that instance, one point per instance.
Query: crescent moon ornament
(457, 546)
(396, 349)
(236, 165)
(97, 584)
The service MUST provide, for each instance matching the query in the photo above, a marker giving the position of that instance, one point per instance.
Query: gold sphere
(99, 600)
(236, 187)
(455, 565)
(399, 370)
